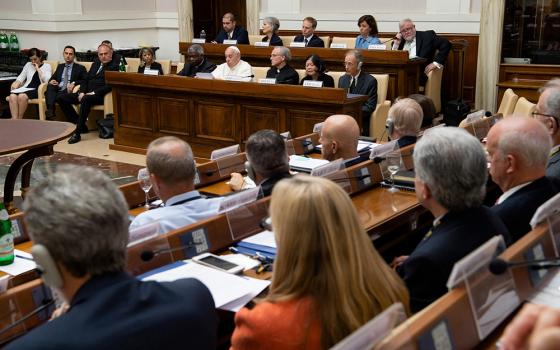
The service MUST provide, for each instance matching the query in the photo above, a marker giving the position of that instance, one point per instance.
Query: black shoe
(75, 139)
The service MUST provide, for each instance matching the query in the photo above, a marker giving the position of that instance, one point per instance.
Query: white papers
(21, 90)
(338, 46)
(377, 47)
(265, 238)
(23, 262)
(257, 285)
(224, 287)
(304, 163)
(548, 293)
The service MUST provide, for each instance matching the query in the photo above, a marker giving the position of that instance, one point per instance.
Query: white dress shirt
(510, 192)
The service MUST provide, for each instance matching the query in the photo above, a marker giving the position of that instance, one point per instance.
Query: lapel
(360, 81)
(419, 43)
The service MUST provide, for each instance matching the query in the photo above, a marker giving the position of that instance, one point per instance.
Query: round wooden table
(37, 138)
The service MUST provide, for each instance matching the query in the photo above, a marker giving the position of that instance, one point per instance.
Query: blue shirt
(362, 43)
(179, 211)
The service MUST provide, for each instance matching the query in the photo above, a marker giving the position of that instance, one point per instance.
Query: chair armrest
(41, 91)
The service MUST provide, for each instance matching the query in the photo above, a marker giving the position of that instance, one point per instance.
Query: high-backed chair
(133, 64)
(336, 76)
(379, 116)
(287, 40)
(350, 42)
(254, 38)
(260, 73)
(326, 39)
(165, 66)
(508, 102)
(180, 66)
(301, 73)
(433, 87)
(40, 100)
(524, 108)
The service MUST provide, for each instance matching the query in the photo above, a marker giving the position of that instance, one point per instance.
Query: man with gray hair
(518, 148)
(172, 171)
(548, 112)
(196, 62)
(234, 68)
(281, 70)
(451, 174)
(267, 161)
(77, 220)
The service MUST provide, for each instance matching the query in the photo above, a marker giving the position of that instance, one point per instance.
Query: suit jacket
(427, 269)
(315, 41)
(96, 81)
(287, 75)
(426, 45)
(274, 40)
(553, 166)
(78, 74)
(268, 184)
(204, 67)
(117, 311)
(518, 209)
(367, 85)
(406, 141)
(239, 34)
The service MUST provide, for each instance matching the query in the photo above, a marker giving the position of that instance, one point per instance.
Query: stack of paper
(262, 243)
(230, 292)
(305, 164)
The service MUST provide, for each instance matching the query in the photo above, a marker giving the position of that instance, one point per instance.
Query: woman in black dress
(315, 70)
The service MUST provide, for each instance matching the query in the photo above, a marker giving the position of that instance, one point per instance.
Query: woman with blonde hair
(328, 279)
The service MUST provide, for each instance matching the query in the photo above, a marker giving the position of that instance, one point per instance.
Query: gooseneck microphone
(147, 255)
(393, 38)
(499, 266)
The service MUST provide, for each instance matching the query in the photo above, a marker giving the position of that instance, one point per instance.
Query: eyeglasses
(534, 114)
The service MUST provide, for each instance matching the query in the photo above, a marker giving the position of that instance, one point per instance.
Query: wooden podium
(211, 114)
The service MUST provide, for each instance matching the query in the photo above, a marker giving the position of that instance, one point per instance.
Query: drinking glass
(393, 165)
(145, 183)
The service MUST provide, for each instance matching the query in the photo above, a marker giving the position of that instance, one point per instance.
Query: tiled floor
(93, 151)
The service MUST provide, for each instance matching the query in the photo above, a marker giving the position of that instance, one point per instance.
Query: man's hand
(53, 82)
(398, 261)
(236, 182)
(430, 67)
(80, 96)
(70, 87)
(534, 327)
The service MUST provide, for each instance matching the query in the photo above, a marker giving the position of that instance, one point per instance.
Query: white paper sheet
(22, 264)
(306, 163)
(265, 238)
(21, 89)
(257, 285)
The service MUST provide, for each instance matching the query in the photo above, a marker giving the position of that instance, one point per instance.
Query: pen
(24, 257)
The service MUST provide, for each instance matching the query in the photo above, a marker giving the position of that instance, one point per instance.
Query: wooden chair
(107, 106)
(524, 108)
(336, 76)
(287, 40)
(507, 105)
(180, 66)
(379, 116)
(350, 42)
(433, 87)
(254, 38)
(326, 39)
(260, 73)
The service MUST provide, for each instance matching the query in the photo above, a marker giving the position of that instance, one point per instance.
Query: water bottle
(6, 237)
(122, 66)
(14, 43)
(202, 35)
(4, 42)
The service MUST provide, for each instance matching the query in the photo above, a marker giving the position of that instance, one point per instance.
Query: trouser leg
(66, 103)
(87, 102)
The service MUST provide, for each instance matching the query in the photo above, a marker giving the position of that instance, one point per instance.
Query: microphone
(249, 76)
(487, 114)
(499, 266)
(147, 255)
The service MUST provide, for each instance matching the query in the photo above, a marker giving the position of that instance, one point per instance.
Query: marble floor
(122, 167)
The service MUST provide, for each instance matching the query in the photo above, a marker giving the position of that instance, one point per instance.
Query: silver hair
(403, 21)
(196, 49)
(532, 147)
(178, 167)
(284, 51)
(80, 215)
(552, 103)
(274, 22)
(452, 163)
(357, 54)
(406, 115)
(235, 49)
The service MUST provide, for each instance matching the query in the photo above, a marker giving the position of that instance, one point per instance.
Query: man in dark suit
(451, 174)
(308, 34)
(267, 161)
(230, 31)
(422, 44)
(197, 63)
(116, 58)
(548, 113)
(78, 221)
(66, 76)
(92, 92)
(359, 82)
(518, 148)
(281, 69)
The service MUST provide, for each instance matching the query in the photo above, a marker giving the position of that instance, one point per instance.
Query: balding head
(518, 148)
(233, 56)
(339, 137)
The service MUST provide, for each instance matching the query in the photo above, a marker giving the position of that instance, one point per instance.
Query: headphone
(360, 63)
(46, 266)
(390, 126)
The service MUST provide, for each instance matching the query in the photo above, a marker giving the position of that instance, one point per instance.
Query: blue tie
(65, 77)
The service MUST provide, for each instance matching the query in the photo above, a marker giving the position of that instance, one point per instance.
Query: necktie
(100, 68)
(306, 42)
(65, 77)
(352, 86)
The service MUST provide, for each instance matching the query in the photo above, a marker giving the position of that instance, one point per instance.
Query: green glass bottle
(6, 237)
(14, 42)
(122, 67)
(4, 42)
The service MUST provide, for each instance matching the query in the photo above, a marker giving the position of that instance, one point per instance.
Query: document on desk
(21, 90)
(305, 164)
(548, 293)
(226, 289)
(263, 243)
(23, 262)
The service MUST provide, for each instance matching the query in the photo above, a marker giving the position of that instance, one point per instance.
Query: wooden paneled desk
(211, 114)
(403, 73)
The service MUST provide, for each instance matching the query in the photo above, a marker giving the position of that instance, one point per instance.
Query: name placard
(338, 46)
(235, 200)
(267, 81)
(286, 135)
(328, 168)
(377, 47)
(297, 44)
(230, 42)
(233, 78)
(198, 41)
(313, 83)
(224, 152)
(148, 71)
(262, 43)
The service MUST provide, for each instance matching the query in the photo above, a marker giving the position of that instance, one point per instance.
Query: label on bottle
(4, 215)
(3, 45)
(6, 246)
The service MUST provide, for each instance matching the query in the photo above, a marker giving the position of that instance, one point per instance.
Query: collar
(511, 191)
(308, 37)
(554, 151)
(69, 64)
(181, 197)
(357, 75)
(437, 220)
(96, 284)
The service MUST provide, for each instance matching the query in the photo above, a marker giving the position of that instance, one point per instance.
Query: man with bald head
(172, 171)
(548, 113)
(339, 139)
(518, 148)
(234, 68)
